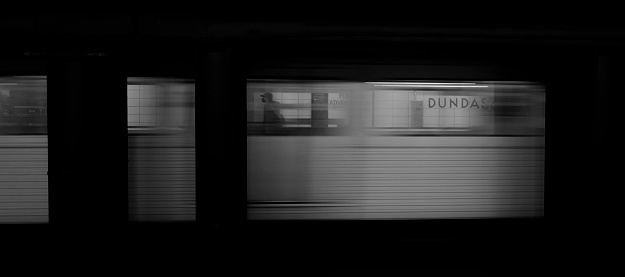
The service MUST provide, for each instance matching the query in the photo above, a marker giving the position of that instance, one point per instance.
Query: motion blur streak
(161, 149)
(23, 150)
(395, 153)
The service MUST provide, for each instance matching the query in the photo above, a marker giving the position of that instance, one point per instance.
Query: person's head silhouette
(267, 97)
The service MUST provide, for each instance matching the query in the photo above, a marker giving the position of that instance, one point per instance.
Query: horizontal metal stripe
(161, 155)
(26, 191)
(165, 149)
(340, 205)
(437, 183)
(349, 217)
(173, 194)
(23, 145)
(362, 164)
(419, 153)
(29, 151)
(23, 205)
(44, 216)
(152, 180)
(366, 146)
(320, 149)
(24, 184)
(442, 201)
(23, 190)
(365, 164)
(23, 210)
(343, 160)
(160, 209)
(152, 205)
(367, 211)
(33, 158)
(170, 147)
(163, 209)
(189, 213)
(161, 217)
(150, 160)
(188, 189)
(30, 194)
(329, 192)
(442, 151)
(24, 165)
(22, 171)
(156, 199)
(190, 199)
(139, 184)
(138, 174)
(162, 164)
(432, 182)
(418, 169)
(446, 177)
(411, 179)
(162, 170)
(157, 213)
(419, 189)
(4, 200)
(160, 184)
(439, 201)
(12, 180)
(415, 213)
(26, 213)
(330, 178)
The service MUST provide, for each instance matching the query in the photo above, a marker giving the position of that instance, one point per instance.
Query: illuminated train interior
(268, 141)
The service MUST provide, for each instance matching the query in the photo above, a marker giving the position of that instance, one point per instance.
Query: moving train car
(426, 149)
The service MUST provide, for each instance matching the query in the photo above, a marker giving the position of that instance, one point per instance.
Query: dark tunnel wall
(580, 66)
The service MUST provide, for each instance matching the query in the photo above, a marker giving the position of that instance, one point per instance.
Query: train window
(401, 108)
(23, 105)
(161, 149)
(394, 149)
(23, 149)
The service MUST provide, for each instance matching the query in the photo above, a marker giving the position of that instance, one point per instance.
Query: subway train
(416, 149)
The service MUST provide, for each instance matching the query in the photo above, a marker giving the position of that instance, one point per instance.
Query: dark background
(580, 61)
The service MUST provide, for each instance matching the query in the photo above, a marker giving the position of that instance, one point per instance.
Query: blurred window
(23, 105)
(23, 149)
(416, 107)
(161, 149)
